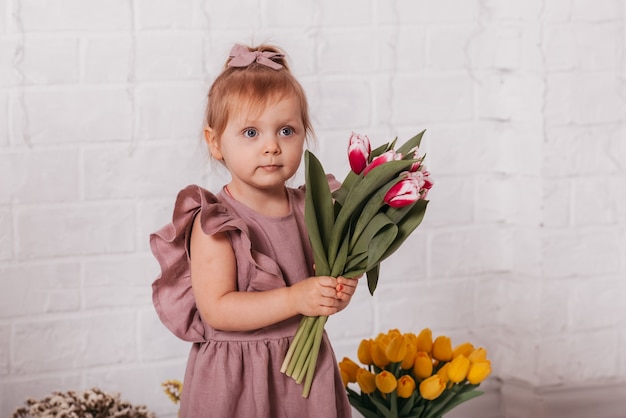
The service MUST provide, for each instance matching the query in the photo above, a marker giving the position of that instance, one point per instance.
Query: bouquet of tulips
(412, 376)
(352, 230)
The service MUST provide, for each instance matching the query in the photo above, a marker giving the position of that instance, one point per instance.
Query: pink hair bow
(242, 57)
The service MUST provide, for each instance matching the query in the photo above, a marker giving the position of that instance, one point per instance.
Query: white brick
(49, 175)
(554, 302)
(113, 172)
(64, 15)
(406, 49)
(358, 320)
(446, 46)
(560, 47)
(515, 200)
(467, 252)
(599, 46)
(513, 10)
(77, 229)
(340, 104)
(50, 60)
(594, 202)
(6, 233)
(523, 253)
(409, 263)
(285, 13)
(590, 10)
(108, 60)
(426, 99)
(15, 392)
(75, 115)
(490, 301)
(557, 11)
(118, 282)
(523, 303)
(408, 11)
(563, 358)
(5, 341)
(353, 13)
(39, 289)
(338, 53)
(4, 8)
(9, 53)
(581, 252)
(167, 14)
(156, 342)
(245, 14)
(170, 111)
(4, 119)
(584, 151)
(597, 304)
(516, 357)
(168, 56)
(510, 96)
(70, 343)
(557, 197)
(451, 202)
(445, 304)
(153, 214)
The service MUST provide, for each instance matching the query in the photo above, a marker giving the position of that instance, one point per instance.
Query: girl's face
(261, 151)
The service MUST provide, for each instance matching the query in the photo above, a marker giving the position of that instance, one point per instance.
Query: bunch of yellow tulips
(413, 376)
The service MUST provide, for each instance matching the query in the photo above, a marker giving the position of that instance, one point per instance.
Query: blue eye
(287, 131)
(250, 132)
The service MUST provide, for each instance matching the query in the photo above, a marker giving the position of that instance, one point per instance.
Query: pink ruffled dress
(237, 374)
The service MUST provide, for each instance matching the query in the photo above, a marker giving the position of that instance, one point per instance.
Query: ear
(212, 143)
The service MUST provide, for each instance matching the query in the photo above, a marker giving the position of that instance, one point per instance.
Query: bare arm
(221, 305)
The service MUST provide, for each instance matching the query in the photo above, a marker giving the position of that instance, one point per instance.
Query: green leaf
(411, 143)
(382, 408)
(407, 405)
(340, 262)
(372, 278)
(376, 224)
(462, 396)
(407, 225)
(380, 243)
(318, 212)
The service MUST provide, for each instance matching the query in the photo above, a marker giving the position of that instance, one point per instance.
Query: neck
(266, 202)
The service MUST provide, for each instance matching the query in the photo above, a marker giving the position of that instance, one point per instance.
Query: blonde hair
(252, 88)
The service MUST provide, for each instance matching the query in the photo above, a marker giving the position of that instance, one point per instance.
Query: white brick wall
(523, 249)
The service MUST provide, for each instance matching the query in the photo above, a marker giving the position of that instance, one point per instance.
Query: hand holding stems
(322, 295)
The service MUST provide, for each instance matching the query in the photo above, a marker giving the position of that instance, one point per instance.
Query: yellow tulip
(386, 382)
(349, 367)
(378, 354)
(409, 358)
(478, 354)
(442, 348)
(366, 380)
(423, 365)
(344, 378)
(406, 386)
(443, 372)
(396, 350)
(432, 387)
(458, 368)
(365, 352)
(478, 371)
(462, 349)
(425, 341)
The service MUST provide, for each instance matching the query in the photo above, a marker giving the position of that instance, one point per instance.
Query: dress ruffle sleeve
(172, 294)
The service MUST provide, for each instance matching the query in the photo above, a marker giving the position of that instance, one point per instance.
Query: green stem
(300, 346)
(319, 332)
(294, 343)
(303, 351)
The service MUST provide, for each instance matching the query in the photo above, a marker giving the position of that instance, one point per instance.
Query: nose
(272, 147)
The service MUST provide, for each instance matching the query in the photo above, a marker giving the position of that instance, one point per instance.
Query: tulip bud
(478, 371)
(432, 387)
(406, 386)
(378, 354)
(409, 358)
(425, 341)
(358, 152)
(385, 157)
(478, 354)
(344, 378)
(423, 366)
(462, 349)
(366, 381)
(365, 352)
(349, 367)
(443, 373)
(442, 348)
(396, 349)
(386, 382)
(403, 193)
(458, 368)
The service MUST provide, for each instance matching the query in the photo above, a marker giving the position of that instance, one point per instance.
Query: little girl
(237, 267)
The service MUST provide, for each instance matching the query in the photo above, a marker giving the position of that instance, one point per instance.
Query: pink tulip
(403, 193)
(358, 152)
(416, 165)
(385, 157)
